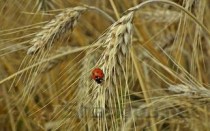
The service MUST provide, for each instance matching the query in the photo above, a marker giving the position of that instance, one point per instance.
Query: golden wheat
(156, 65)
(55, 29)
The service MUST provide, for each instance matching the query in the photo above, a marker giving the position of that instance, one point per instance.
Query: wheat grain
(53, 30)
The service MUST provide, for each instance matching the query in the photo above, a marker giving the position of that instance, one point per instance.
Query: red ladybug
(97, 75)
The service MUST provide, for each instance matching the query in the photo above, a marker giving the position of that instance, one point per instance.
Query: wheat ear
(189, 90)
(53, 30)
(117, 41)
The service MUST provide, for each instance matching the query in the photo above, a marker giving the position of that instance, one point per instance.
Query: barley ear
(118, 39)
(57, 27)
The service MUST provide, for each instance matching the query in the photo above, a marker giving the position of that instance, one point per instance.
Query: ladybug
(97, 75)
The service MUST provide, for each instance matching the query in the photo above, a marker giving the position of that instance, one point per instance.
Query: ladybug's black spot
(99, 80)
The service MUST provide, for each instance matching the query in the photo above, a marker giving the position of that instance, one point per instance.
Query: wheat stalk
(53, 30)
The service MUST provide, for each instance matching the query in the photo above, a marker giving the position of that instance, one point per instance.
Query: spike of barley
(117, 39)
(53, 30)
(190, 91)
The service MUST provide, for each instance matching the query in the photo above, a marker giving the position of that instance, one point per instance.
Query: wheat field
(154, 55)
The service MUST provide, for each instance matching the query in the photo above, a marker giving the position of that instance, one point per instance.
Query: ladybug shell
(97, 74)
